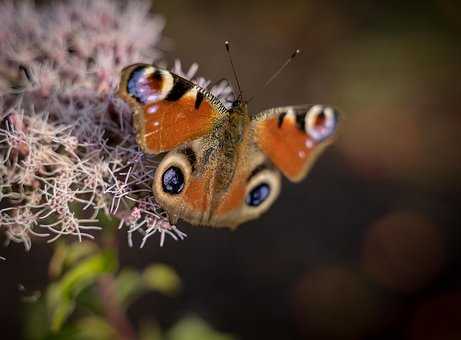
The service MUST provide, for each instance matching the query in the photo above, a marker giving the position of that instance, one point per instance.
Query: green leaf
(35, 325)
(129, 286)
(77, 251)
(57, 260)
(95, 328)
(61, 312)
(108, 222)
(194, 328)
(66, 255)
(88, 299)
(149, 331)
(162, 278)
(66, 333)
(62, 294)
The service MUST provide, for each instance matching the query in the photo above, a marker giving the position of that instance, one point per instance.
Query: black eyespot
(173, 180)
(258, 195)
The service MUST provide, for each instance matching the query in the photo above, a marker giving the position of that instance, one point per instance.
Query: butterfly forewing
(168, 109)
(293, 136)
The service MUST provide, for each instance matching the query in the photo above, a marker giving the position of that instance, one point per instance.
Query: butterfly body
(222, 166)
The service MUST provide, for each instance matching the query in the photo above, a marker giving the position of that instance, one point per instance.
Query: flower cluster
(68, 156)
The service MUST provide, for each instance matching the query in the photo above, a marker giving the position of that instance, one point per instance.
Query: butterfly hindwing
(209, 194)
(293, 136)
(252, 191)
(168, 109)
(183, 186)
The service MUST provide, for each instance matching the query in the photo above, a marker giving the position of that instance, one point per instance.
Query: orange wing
(292, 137)
(168, 109)
(252, 190)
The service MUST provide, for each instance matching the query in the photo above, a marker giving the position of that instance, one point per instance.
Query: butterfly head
(239, 105)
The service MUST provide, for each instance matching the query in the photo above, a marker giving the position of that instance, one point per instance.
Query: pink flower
(67, 147)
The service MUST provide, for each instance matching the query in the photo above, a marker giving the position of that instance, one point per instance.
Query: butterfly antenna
(227, 43)
(279, 70)
(26, 72)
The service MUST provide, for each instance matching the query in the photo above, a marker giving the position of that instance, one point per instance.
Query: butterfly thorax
(238, 120)
(225, 144)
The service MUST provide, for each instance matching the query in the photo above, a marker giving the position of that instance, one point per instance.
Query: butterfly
(222, 166)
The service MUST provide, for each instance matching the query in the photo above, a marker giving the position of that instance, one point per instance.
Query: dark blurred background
(368, 246)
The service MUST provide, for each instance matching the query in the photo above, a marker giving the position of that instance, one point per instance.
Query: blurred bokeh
(368, 246)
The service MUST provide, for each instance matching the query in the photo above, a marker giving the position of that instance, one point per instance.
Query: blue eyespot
(133, 84)
(141, 87)
(321, 122)
(258, 195)
(173, 180)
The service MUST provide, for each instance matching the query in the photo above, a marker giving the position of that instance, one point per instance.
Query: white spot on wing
(291, 115)
(149, 70)
(167, 82)
(153, 98)
(191, 93)
(152, 109)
